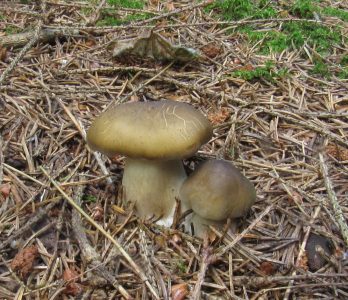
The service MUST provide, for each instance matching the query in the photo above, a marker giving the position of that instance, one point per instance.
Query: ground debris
(23, 262)
(273, 84)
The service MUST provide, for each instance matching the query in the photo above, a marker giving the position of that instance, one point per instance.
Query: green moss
(137, 4)
(294, 35)
(303, 9)
(344, 61)
(89, 198)
(268, 72)
(112, 21)
(234, 9)
(12, 29)
(181, 266)
(272, 41)
(240, 9)
(109, 21)
(344, 73)
(266, 13)
(335, 12)
(86, 11)
(321, 68)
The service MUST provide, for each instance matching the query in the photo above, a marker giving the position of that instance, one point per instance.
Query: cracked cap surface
(151, 130)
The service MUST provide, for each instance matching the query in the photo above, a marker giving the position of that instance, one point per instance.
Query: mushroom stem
(153, 186)
(201, 225)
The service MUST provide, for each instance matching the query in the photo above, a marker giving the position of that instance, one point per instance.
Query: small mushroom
(216, 191)
(154, 137)
(315, 244)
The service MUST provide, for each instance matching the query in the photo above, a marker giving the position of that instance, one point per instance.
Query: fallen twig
(34, 38)
(33, 220)
(207, 258)
(106, 234)
(45, 35)
(338, 213)
(91, 256)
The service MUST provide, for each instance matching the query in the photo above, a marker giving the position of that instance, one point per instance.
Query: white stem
(153, 186)
(201, 225)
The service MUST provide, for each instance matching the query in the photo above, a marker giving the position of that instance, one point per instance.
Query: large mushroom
(216, 191)
(154, 137)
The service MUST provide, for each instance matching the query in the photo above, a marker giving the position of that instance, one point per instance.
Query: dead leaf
(90, 43)
(153, 3)
(134, 98)
(174, 97)
(176, 238)
(70, 276)
(339, 252)
(5, 190)
(179, 291)
(118, 210)
(210, 236)
(303, 262)
(155, 46)
(23, 262)
(338, 152)
(3, 53)
(160, 242)
(170, 6)
(267, 268)
(98, 213)
(82, 107)
(211, 50)
(295, 198)
(219, 117)
(283, 14)
(247, 67)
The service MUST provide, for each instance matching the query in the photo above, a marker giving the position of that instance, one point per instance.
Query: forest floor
(271, 76)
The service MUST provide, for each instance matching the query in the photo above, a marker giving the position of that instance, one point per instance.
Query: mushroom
(216, 191)
(154, 137)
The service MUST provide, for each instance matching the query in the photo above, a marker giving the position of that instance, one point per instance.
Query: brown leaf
(295, 198)
(219, 117)
(154, 46)
(338, 253)
(267, 268)
(70, 276)
(179, 291)
(90, 43)
(3, 54)
(211, 50)
(98, 213)
(303, 262)
(5, 190)
(247, 67)
(160, 242)
(338, 152)
(153, 3)
(170, 6)
(176, 238)
(118, 209)
(23, 262)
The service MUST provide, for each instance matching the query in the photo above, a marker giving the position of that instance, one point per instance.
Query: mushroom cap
(217, 190)
(152, 130)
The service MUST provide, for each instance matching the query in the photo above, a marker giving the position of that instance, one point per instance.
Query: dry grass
(288, 135)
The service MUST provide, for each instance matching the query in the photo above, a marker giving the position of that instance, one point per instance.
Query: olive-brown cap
(152, 130)
(216, 190)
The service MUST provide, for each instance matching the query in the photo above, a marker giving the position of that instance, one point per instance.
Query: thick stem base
(153, 186)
